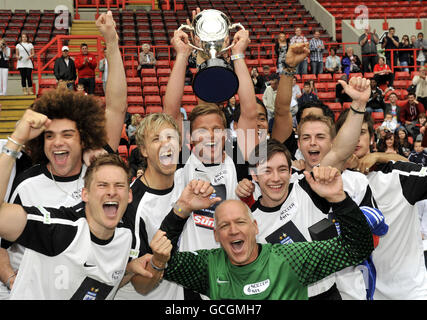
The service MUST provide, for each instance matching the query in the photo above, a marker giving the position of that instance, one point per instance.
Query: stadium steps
(12, 109)
(83, 28)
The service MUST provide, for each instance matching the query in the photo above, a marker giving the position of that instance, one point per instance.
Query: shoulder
(30, 173)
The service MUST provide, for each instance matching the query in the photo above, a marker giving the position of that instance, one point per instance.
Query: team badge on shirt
(92, 289)
(288, 233)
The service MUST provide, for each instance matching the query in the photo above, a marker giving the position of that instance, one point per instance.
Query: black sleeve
(140, 241)
(47, 230)
(412, 178)
(56, 69)
(368, 200)
(173, 226)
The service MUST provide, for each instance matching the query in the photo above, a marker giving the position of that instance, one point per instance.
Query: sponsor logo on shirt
(286, 212)
(219, 176)
(117, 274)
(256, 288)
(204, 221)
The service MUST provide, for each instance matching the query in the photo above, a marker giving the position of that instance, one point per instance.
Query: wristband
(8, 280)
(11, 153)
(356, 111)
(15, 142)
(237, 56)
(156, 267)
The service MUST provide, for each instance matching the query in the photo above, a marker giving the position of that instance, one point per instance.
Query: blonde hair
(153, 122)
(205, 109)
(316, 118)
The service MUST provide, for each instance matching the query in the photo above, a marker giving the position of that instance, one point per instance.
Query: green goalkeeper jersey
(280, 271)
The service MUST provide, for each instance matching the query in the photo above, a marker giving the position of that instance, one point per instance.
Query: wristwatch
(11, 153)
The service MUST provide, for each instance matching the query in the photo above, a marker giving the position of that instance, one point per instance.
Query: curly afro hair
(85, 110)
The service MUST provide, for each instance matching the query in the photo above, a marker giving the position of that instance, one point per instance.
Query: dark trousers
(369, 61)
(26, 77)
(89, 84)
(383, 79)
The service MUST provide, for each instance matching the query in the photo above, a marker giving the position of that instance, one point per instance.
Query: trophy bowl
(215, 80)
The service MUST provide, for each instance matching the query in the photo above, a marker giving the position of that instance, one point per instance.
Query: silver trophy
(215, 80)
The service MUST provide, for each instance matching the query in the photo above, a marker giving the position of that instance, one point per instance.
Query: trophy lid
(211, 25)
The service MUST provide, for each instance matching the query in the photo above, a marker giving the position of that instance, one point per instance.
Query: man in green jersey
(243, 269)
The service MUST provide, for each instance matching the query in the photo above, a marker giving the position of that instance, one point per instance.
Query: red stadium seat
(150, 91)
(324, 77)
(154, 109)
(148, 72)
(378, 117)
(334, 106)
(152, 101)
(149, 81)
(135, 109)
(326, 96)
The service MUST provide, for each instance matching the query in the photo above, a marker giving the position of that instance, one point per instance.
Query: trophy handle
(185, 26)
(233, 26)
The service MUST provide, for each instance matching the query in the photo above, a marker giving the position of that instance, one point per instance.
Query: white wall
(326, 20)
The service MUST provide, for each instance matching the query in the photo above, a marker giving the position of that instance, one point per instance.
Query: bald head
(232, 205)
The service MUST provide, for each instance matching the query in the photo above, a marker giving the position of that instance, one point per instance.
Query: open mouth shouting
(237, 246)
(110, 208)
(60, 157)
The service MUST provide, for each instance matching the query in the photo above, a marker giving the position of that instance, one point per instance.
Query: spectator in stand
(368, 42)
(405, 147)
(419, 127)
(333, 62)
(261, 80)
(299, 38)
(421, 44)
(389, 144)
(392, 106)
(24, 54)
(313, 86)
(376, 101)
(86, 64)
(316, 53)
(409, 113)
(418, 155)
(307, 96)
(420, 82)
(383, 73)
(405, 56)
(390, 124)
(280, 48)
(340, 94)
(131, 129)
(65, 69)
(296, 90)
(146, 58)
(103, 67)
(4, 66)
(391, 41)
(351, 62)
(269, 97)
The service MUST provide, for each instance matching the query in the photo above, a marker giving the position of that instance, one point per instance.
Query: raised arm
(282, 126)
(346, 140)
(175, 87)
(116, 88)
(195, 196)
(13, 217)
(313, 261)
(247, 123)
